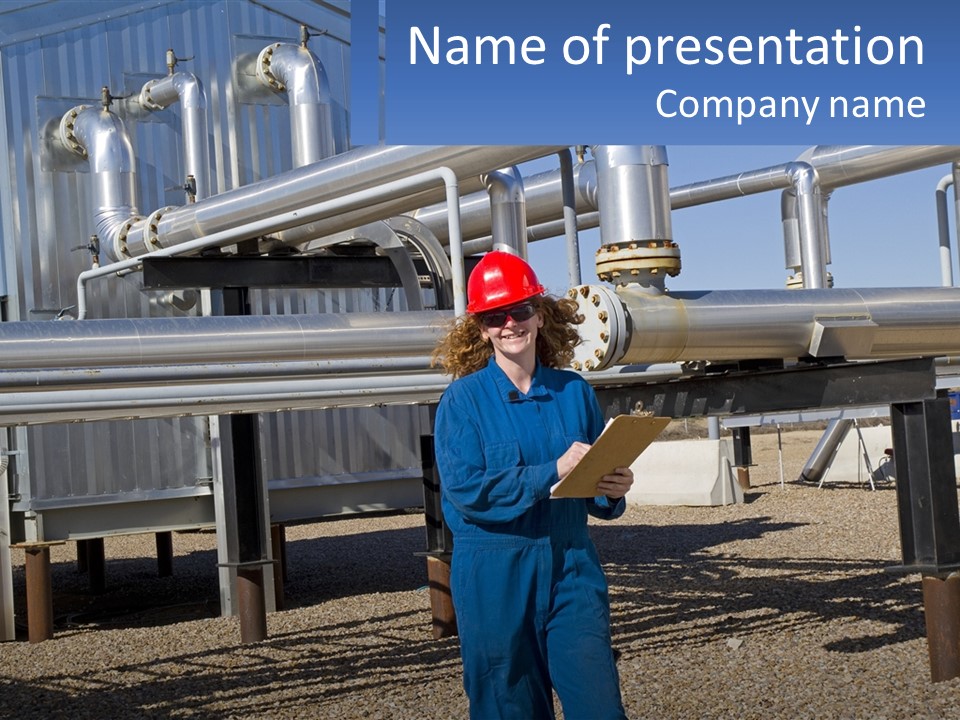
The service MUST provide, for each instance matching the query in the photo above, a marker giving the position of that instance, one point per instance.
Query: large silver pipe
(75, 378)
(633, 326)
(840, 165)
(261, 338)
(635, 229)
(170, 399)
(101, 137)
(351, 171)
(508, 214)
(114, 397)
(296, 71)
(634, 193)
(826, 450)
(187, 89)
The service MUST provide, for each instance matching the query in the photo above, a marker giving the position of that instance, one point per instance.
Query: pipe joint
(68, 124)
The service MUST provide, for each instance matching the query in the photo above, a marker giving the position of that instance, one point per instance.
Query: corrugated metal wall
(46, 68)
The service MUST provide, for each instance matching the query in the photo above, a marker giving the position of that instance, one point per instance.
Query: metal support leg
(930, 522)
(81, 556)
(742, 455)
(279, 554)
(164, 554)
(96, 565)
(441, 600)
(253, 611)
(39, 593)
(941, 606)
(240, 455)
(439, 546)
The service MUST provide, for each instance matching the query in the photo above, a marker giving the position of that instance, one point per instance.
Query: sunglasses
(498, 318)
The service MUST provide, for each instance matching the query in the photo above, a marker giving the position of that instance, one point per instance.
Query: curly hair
(463, 350)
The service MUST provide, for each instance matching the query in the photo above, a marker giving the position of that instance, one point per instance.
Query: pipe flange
(602, 329)
(146, 98)
(120, 244)
(67, 125)
(264, 73)
(628, 262)
(152, 227)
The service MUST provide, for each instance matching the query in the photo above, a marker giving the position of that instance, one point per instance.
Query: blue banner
(705, 72)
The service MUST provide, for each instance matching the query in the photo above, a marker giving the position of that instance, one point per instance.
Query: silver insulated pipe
(634, 326)
(636, 236)
(261, 338)
(296, 71)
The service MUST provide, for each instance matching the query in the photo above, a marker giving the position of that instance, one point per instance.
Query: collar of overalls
(508, 391)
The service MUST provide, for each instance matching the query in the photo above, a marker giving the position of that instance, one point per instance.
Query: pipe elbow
(295, 70)
(803, 176)
(504, 185)
(100, 136)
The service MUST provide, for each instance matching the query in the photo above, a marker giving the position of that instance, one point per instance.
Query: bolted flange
(631, 262)
(602, 328)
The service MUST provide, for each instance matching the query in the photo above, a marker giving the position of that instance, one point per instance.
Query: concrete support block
(686, 472)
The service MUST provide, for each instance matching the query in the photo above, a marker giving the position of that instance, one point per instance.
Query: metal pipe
(841, 165)
(826, 450)
(39, 593)
(75, 378)
(187, 89)
(633, 193)
(322, 209)
(568, 192)
(100, 135)
(217, 398)
(956, 202)
(369, 165)
(633, 326)
(836, 166)
(806, 183)
(545, 231)
(508, 216)
(258, 338)
(943, 231)
(542, 193)
(295, 70)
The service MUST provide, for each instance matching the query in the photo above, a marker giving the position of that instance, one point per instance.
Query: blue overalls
(527, 585)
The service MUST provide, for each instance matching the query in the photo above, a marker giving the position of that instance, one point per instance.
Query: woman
(527, 585)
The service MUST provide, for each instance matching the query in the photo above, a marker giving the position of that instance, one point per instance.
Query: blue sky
(882, 233)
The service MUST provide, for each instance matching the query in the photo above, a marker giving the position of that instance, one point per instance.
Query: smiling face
(514, 340)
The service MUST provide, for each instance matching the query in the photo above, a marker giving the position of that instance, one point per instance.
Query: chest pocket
(501, 456)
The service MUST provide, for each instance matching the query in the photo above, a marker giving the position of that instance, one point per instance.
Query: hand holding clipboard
(621, 442)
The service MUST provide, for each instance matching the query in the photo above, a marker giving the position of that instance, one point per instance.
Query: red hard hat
(501, 279)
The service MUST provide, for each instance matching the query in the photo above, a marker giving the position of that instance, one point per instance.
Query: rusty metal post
(96, 565)
(941, 603)
(742, 455)
(39, 593)
(253, 610)
(441, 600)
(439, 546)
(164, 553)
(277, 543)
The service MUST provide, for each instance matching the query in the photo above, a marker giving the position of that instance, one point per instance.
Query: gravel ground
(775, 608)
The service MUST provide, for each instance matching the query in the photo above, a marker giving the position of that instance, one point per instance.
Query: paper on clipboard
(620, 443)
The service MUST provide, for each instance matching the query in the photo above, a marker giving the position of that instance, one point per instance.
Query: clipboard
(620, 443)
